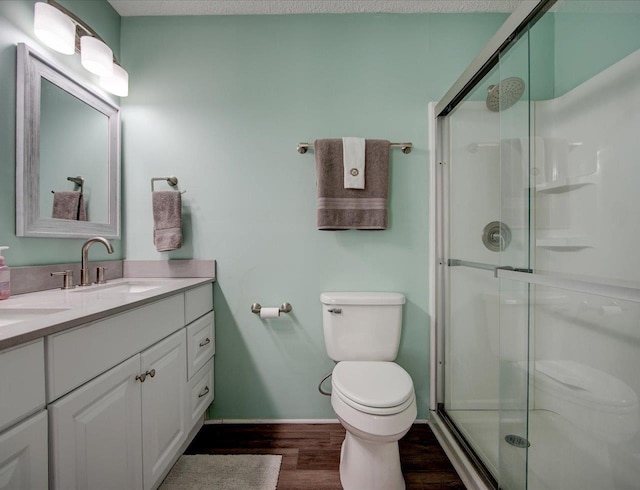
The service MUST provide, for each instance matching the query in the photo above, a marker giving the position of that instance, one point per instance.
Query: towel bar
(171, 180)
(405, 147)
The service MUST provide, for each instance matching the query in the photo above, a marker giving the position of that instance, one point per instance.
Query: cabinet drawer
(201, 389)
(76, 356)
(23, 455)
(198, 301)
(22, 371)
(201, 344)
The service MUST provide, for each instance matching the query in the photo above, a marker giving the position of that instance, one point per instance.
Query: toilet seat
(373, 387)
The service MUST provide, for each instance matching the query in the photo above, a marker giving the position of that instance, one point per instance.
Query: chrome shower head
(504, 94)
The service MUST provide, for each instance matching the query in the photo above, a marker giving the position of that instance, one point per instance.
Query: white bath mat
(224, 472)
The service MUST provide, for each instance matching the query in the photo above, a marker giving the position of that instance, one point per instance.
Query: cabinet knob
(204, 392)
(141, 377)
(151, 373)
(205, 342)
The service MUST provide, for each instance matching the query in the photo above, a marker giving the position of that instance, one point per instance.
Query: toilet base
(367, 465)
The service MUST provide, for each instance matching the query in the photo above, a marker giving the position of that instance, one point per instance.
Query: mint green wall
(590, 37)
(222, 102)
(16, 26)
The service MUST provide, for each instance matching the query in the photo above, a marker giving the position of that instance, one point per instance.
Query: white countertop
(63, 309)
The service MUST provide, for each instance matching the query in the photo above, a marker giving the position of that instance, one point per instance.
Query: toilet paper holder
(284, 308)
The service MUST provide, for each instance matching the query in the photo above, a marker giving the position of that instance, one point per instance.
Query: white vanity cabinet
(23, 419)
(127, 424)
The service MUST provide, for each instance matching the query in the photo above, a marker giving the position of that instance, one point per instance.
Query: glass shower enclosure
(537, 181)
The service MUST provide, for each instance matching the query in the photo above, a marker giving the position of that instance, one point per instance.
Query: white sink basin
(129, 287)
(15, 315)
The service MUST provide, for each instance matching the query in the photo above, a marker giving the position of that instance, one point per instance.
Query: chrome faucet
(84, 269)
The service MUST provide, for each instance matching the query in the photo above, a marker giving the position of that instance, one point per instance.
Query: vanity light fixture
(54, 28)
(117, 83)
(66, 33)
(96, 56)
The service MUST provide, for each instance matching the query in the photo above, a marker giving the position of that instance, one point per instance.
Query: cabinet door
(96, 439)
(23, 455)
(164, 405)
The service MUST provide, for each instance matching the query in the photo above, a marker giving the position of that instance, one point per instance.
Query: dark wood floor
(311, 453)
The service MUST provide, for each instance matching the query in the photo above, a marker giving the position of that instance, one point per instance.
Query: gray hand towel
(347, 209)
(69, 205)
(167, 220)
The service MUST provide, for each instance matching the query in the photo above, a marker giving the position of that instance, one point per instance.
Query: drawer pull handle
(205, 342)
(141, 377)
(204, 392)
(151, 373)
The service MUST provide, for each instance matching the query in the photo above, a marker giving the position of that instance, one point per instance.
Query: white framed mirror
(67, 153)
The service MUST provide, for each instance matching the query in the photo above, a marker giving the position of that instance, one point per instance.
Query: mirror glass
(73, 144)
(67, 165)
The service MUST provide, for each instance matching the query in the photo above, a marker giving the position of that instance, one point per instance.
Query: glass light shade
(118, 83)
(96, 56)
(54, 28)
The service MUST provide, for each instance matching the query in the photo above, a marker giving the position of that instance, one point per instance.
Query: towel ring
(171, 180)
(78, 182)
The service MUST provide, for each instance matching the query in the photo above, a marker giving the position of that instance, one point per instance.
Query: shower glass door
(542, 271)
(471, 389)
(583, 417)
(542, 277)
(486, 369)
(514, 111)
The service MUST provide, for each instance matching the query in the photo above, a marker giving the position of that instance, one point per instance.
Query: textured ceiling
(247, 7)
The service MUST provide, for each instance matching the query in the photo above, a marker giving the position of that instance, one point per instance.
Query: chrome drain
(517, 441)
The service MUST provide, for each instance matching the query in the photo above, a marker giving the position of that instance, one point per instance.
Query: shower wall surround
(222, 102)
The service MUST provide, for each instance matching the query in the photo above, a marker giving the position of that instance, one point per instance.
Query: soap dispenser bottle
(5, 277)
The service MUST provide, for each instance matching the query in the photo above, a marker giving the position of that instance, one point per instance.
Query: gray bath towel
(167, 220)
(69, 205)
(347, 209)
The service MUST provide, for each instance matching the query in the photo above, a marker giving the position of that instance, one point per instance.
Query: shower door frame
(468, 465)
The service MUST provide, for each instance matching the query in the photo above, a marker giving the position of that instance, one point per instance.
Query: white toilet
(372, 396)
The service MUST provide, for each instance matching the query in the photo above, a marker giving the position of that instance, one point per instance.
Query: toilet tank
(362, 326)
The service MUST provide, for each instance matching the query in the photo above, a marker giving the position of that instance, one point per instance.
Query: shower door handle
(621, 292)
(512, 269)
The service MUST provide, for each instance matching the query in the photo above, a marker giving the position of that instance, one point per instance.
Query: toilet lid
(376, 384)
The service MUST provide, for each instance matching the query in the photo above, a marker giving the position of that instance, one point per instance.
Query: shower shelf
(564, 241)
(566, 184)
